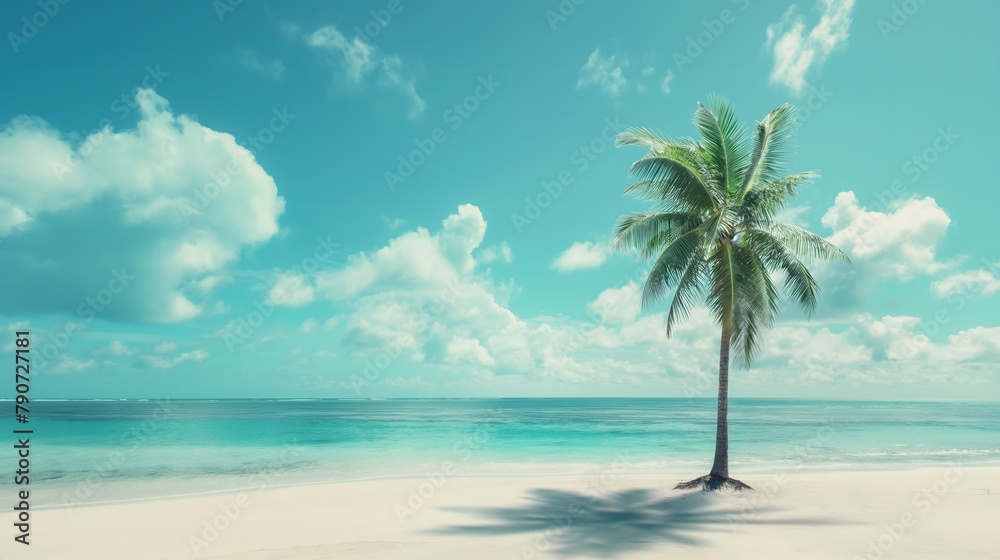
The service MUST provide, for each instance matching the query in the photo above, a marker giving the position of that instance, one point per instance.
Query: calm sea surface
(96, 451)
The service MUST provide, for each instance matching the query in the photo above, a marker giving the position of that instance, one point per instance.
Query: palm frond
(662, 177)
(763, 200)
(687, 291)
(643, 230)
(802, 288)
(669, 266)
(806, 244)
(724, 140)
(758, 304)
(711, 230)
(635, 136)
(772, 140)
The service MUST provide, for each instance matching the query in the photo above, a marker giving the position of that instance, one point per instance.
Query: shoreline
(624, 514)
(763, 471)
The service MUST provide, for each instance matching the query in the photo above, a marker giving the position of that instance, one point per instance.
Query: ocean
(90, 452)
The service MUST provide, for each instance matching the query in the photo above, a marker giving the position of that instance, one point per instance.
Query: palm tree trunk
(718, 477)
(721, 465)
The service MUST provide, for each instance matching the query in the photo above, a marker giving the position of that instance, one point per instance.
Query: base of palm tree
(711, 482)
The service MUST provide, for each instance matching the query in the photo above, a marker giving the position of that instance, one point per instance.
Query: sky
(400, 199)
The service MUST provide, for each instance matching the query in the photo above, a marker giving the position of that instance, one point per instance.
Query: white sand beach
(930, 513)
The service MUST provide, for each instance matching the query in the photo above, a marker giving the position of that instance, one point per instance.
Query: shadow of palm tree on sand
(570, 523)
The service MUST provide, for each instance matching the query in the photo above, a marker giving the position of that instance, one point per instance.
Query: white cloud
(78, 212)
(425, 298)
(500, 252)
(603, 71)
(665, 84)
(973, 283)
(160, 362)
(164, 347)
(618, 305)
(308, 325)
(581, 255)
(467, 351)
(393, 223)
(360, 60)
(69, 365)
(899, 243)
(972, 344)
(798, 49)
(291, 290)
(117, 349)
(271, 68)
(793, 215)
(647, 63)
(902, 338)
(394, 75)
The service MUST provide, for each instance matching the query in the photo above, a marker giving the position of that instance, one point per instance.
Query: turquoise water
(88, 452)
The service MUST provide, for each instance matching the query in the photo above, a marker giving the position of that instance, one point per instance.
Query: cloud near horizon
(425, 298)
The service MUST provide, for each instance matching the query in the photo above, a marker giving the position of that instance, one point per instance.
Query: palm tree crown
(712, 228)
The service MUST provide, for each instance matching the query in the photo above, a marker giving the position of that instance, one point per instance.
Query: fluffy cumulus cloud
(914, 340)
(865, 350)
(501, 252)
(581, 255)
(128, 224)
(423, 293)
(618, 305)
(798, 48)
(973, 283)
(361, 62)
(427, 299)
(604, 72)
(900, 242)
(292, 290)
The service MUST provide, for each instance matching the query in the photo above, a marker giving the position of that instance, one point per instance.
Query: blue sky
(395, 199)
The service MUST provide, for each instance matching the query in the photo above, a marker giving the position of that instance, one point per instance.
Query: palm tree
(712, 232)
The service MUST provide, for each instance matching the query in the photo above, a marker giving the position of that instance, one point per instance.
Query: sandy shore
(924, 513)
